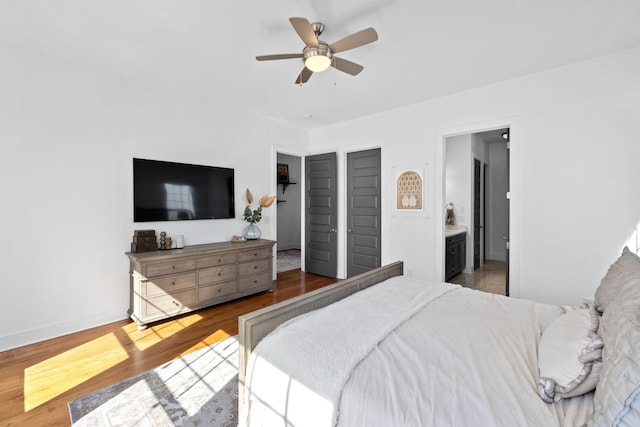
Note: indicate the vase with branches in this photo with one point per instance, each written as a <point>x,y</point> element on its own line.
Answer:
<point>253,216</point>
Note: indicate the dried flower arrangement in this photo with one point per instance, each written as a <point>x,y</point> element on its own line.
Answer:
<point>254,216</point>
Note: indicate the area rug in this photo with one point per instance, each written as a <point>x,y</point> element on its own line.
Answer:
<point>288,260</point>
<point>199,389</point>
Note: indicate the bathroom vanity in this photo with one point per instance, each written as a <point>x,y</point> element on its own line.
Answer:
<point>455,250</point>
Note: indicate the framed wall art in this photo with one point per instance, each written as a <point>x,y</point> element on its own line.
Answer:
<point>283,173</point>
<point>409,189</point>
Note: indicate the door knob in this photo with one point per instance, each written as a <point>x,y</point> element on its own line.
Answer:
<point>505,238</point>
<point>333,230</point>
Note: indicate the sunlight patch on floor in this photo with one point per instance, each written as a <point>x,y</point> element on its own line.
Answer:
<point>154,334</point>
<point>215,337</point>
<point>61,373</point>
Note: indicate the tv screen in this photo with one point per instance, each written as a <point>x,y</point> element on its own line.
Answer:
<point>166,191</point>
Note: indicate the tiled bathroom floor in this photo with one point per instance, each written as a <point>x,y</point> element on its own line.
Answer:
<point>490,277</point>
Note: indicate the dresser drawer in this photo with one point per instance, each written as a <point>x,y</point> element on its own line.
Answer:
<point>215,291</point>
<point>169,304</point>
<point>259,280</point>
<point>169,284</point>
<point>215,260</point>
<point>177,266</point>
<point>255,267</point>
<point>216,274</point>
<point>255,254</point>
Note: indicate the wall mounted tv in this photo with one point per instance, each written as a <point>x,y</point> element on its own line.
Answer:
<point>166,191</point>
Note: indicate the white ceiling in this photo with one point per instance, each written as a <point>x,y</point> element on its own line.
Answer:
<point>426,48</point>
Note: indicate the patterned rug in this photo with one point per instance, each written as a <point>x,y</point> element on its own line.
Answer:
<point>288,260</point>
<point>199,389</point>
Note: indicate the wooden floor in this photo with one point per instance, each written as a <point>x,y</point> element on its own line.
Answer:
<point>37,381</point>
<point>490,277</point>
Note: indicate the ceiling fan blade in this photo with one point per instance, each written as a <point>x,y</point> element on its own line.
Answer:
<point>354,40</point>
<point>278,56</point>
<point>304,76</point>
<point>346,66</point>
<point>304,30</point>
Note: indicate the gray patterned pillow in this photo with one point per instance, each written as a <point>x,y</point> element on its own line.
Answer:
<point>617,397</point>
<point>623,275</point>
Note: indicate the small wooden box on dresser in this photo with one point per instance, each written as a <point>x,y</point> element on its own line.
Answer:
<point>171,282</point>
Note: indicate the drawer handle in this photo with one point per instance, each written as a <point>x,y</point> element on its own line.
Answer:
<point>219,259</point>
<point>173,267</point>
<point>255,281</point>
<point>173,283</point>
<point>219,274</point>
<point>219,290</point>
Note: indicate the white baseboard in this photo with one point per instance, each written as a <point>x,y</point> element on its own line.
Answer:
<point>31,336</point>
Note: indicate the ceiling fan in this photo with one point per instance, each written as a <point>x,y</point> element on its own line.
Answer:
<point>318,55</point>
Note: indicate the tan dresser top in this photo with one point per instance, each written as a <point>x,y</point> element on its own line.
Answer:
<point>198,250</point>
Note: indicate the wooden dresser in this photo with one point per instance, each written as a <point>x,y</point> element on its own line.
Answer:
<point>171,282</point>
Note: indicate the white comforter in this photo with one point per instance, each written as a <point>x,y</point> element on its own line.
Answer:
<point>407,353</point>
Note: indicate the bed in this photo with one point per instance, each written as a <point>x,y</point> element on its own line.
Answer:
<point>383,349</point>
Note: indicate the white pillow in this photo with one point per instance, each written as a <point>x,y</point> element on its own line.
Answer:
<point>569,356</point>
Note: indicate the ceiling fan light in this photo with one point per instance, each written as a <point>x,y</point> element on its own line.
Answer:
<point>317,63</point>
<point>317,58</point>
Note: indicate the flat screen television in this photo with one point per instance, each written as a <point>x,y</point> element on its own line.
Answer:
<point>167,191</point>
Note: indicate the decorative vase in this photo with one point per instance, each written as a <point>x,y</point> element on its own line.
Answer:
<point>251,232</point>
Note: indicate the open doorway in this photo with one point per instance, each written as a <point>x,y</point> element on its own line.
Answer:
<point>289,205</point>
<point>476,193</point>
<point>307,234</point>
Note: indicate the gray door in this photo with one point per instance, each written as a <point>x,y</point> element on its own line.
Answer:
<point>363,211</point>
<point>321,247</point>
<point>476,213</point>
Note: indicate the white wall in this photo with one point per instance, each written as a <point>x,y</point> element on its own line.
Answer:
<point>575,153</point>
<point>459,187</point>
<point>68,135</point>
<point>458,177</point>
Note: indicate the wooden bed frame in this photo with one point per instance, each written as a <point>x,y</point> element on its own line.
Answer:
<point>254,326</point>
